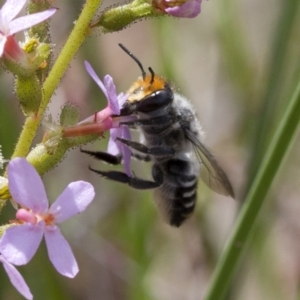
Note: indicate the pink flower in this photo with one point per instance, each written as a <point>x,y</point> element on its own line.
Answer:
<point>180,8</point>
<point>16,278</point>
<point>115,147</point>
<point>9,26</point>
<point>115,103</point>
<point>19,243</point>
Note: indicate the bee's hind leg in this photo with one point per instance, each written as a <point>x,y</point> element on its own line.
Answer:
<point>104,156</point>
<point>134,182</point>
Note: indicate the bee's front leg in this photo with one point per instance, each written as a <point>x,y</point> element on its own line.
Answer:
<point>162,120</point>
<point>160,151</point>
<point>104,156</point>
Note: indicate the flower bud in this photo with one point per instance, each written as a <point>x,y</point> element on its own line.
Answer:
<point>40,29</point>
<point>117,18</point>
<point>28,91</point>
<point>24,59</point>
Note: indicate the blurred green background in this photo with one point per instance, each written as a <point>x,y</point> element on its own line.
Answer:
<point>238,62</point>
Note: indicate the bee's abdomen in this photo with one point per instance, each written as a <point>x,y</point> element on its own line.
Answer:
<point>177,195</point>
<point>183,204</point>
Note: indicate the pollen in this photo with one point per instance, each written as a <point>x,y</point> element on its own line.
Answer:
<point>30,45</point>
<point>43,65</point>
<point>49,218</point>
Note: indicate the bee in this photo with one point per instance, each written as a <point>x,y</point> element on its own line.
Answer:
<point>171,139</point>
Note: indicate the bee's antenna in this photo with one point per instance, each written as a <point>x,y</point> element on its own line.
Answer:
<point>152,75</point>
<point>135,59</point>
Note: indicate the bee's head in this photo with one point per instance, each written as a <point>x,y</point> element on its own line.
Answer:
<point>149,92</point>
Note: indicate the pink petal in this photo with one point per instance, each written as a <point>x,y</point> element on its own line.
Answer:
<point>73,200</point>
<point>11,8</point>
<point>190,9</point>
<point>112,94</point>
<point>19,243</point>
<point>95,77</point>
<point>103,114</point>
<point>60,252</point>
<point>122,98</point>
<point>30,20</point>
<point>113,147</point>
<point>3,40</point>
<point>26,186</point>
<point>16,279</point>
<point>26,216</point>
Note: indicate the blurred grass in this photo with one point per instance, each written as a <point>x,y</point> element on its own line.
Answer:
<point>266,125</point>
<point>242,232</point>
<point>253,49</point>
<point>271,108</point>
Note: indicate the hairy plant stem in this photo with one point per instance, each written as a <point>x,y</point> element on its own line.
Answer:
<point>75,40</point>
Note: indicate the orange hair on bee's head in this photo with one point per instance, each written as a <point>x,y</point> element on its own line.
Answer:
<point>143,87</point>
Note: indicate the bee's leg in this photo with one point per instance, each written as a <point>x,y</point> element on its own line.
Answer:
<point>134,182</point>
<point>106,157</point>
<point>112,159</point>
<point>163,121</point>
<point>142,157</point>
<point>155,151</point>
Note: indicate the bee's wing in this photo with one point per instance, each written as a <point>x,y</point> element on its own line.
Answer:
<point>211,173</point>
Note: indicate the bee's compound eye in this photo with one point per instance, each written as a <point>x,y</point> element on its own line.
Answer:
<point>155,101</point>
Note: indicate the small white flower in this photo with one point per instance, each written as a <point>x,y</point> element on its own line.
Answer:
<point>9,25</point>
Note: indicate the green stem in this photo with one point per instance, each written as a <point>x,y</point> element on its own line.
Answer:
<point>26,137</point>
<point>255,199</point>
<point>75,40</point>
